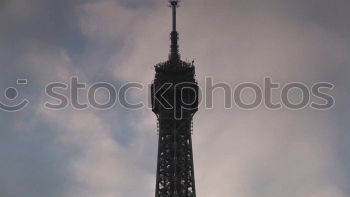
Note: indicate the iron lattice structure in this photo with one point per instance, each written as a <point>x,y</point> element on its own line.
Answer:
<point>175,101</point>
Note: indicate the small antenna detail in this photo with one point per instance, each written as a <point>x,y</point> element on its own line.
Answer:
<point>174,51</point>
<point>173,3</point>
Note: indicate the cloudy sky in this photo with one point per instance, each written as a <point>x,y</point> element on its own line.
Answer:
<point>112,153</point>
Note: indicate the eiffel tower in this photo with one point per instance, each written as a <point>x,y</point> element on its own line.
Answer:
<point>175,101</point>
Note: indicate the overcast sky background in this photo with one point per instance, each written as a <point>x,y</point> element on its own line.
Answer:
<point>112,153</point>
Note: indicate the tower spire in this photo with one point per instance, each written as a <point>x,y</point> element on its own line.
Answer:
<point>174,49</point>
<point>174,111</point>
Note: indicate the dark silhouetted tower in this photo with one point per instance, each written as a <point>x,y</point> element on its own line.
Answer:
<point>175,101</point>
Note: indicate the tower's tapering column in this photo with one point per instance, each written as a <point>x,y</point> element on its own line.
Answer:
<point>174,6</point>
<point>175,101</point>
<point>174,35</point>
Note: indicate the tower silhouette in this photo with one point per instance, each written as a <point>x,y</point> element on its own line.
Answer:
<point>175,101</point>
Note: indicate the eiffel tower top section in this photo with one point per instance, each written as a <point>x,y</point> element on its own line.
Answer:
<point>174,63</point>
